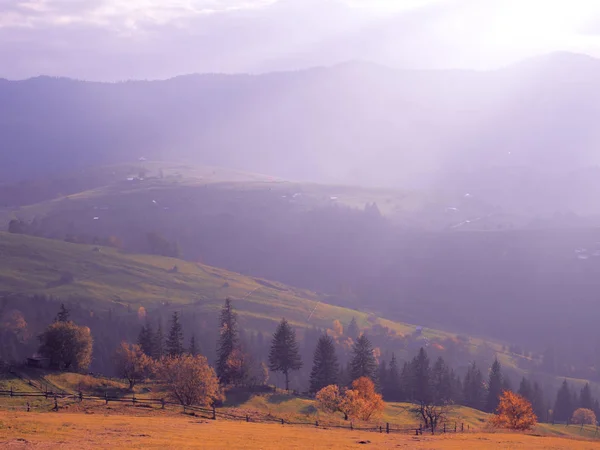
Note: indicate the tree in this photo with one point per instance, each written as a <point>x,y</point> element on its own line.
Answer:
<point>159,342</point>
<point>525,390</point>
<point>441,382</point>
<point>227,343</point>
<point>392,390</point>
<point>132,363</point>
<point>329,399</point>
<point>420,377</point>
<point>68,346</point>
<point>585,398</point>
<point>63,314</point>
<point>190,380</point>
<point>175,338</point>
<point>363,363</point>
<point>193,349</point>
<point>584,416</point>
<point>325,368</point>
<point>353,330</point>
<point>539,403</point>
<point>563,407</point>
<point>514,412</point>
<point>474,388</point>
<point>284,355</point>
<point>146,339</point>
<point>494,387</point>
<point>367,402</point>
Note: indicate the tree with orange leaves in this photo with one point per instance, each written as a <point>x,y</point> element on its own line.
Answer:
<point>514,412</point>
<point>361,402</point>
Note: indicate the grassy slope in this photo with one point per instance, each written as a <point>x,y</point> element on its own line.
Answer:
<point>110,277</point>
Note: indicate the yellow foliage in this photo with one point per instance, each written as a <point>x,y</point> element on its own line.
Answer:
<point>514,412</point>
<point>360,402</point>
<point>584,416</point>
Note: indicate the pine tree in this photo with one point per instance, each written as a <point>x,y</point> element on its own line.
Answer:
<point>392,386</point>
<point>175,338</point>
<point>420,373</point>
<point>159,342</point>
<point>382,375</point>
<point>525,390</point>
<point>473,388</point>
<point>585,398</point>
<point>284,355</point>
<point>406,382</point>
<point>539,403</point>
<point>363,363</point>
<point>563,407</point>
<point>441,382</point>
<point>63,315</point>
<point>325,368</point>
<point>352,330</point>
<point>146,339</point>
<point>227,344</point>
<point>494,387</point>
<point>193,350</point>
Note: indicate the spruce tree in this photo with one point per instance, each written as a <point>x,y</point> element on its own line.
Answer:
<point>563,407</point>
<point>159,342</point>
<point>525,390</point>
<point>392,386</point>
<point>420,372</point>
<point>473,388</point>
<point>284,355</point>
<point>146,339</point>
<point>363,363</point>
<point>494,387</point>
<point>441,382</point>
<point>64,314</point>
<point>175,338</point>
<point>193,350</point>
<point>325,370</point>
<point>227,343</point>
<point>539,403</point>
<point>585,398</point>
<point>352,331</point>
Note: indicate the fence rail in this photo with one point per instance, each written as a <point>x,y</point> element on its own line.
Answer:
<point>214,413</point>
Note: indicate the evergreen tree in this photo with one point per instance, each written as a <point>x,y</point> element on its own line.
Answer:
<point>146,339</point>
<point>539,403</point>
<point>506,383</point>
<point>382,376</point>
<point>193,350</point>
<point>406,382</point>
<point>392,386</point>
<point>352,330</point>
<point>474,388</point>
<point>563,407</point>
<point>284,355</point>
<point>227,344</point>
<point>494,387</point>
<point>585,398</point>
<point>457,390</point>
<point>363,363</point>
<point>525,390</point>
<point>159,342</point>
<point>175,338</point>
<point>420,376</point>
<point>441,382</point>
<point>325,368</point>
<point>64,314</point>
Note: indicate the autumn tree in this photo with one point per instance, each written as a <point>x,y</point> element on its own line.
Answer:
<point>227,344</point>
<point>132,363</point>
<point>325,368</point>
<point>189,380</point>
<point>175,337</point>
<point>584,416</point>
<point>329,399</point>
<point>68,346</point>
<point>363,363</point>
<point>514,412</point>
<point>368,402</point>
<point>284,355</point>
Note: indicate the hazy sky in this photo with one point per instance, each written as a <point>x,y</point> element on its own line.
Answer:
<point>124,39</point>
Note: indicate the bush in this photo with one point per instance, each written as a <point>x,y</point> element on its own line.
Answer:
<point>514,412</point>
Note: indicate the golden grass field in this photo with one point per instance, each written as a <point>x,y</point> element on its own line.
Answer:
<point>82,431</point>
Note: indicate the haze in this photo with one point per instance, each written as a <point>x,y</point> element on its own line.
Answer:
<point>146,39</point>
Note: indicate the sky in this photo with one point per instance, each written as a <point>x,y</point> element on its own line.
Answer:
<point>115,40</point>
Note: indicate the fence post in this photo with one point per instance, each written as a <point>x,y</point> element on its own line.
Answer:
<point>133,399</point>
<point>387,428</point>
<point>214,417</point>
<point>317,423</point>
<point>247,418</point>
<point>421,429</point>
<point>11,391</point>
<point>55,403</point>
<point>462,427</point>
<point>80,396</point>
<point>282,422</point>
<point>455,427</point>
<point>444,428</point>
<point>380,429</point>
<point>28,407</point>
<point>106,397</point>
<point>416,431</point>
<point>351,426</point>
<point>162,403</point>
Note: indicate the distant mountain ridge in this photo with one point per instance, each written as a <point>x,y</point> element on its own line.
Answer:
<point>354,123</point>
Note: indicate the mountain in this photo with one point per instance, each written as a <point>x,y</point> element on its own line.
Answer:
<point>354,123</point>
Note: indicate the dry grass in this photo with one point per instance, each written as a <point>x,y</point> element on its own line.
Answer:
<point>83,431</point>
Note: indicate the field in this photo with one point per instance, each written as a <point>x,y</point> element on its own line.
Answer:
<point>83,431</point>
